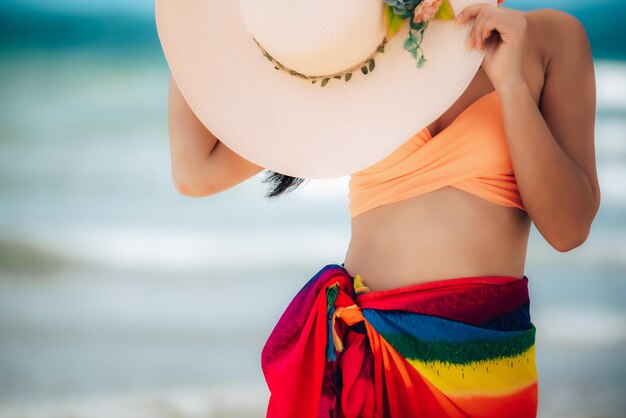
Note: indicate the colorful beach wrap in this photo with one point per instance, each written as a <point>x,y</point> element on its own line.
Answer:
<point>461,347</point>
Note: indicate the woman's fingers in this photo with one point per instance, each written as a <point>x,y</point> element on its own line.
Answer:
<point>479,28</point>
<point>478,13</point>
<point>469,12</point>
<point>488,26</point>
<point>487,18</point>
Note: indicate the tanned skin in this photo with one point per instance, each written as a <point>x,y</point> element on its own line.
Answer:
<point>539,62</point>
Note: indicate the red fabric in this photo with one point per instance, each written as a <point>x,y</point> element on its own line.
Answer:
<point>370,378</point>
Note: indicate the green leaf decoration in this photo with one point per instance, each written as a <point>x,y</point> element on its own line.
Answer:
<point>371,64</point>
<point>445,11</point>
<point>393,22</point>
<point>408,44</point>
<point>325,81</point>
<point>364,69</point>
<point>417,25</point>
<point>348,76</point>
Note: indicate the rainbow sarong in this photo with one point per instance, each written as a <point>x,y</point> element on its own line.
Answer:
<point>461,347</point>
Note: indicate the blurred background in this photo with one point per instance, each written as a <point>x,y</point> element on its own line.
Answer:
<point>120,297</point>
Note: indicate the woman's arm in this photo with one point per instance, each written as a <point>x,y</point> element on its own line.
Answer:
<point>552,149</point>
<point>201,164</point>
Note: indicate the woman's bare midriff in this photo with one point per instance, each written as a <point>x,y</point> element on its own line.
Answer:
<point>443,234</point>
<point>447,233</point>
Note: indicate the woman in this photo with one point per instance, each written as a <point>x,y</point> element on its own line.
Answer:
<point>539,67</point>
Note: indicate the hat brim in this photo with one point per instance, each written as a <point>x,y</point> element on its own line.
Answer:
<point>291,126</point>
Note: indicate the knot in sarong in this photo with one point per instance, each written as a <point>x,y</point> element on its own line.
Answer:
<point>341,304</point>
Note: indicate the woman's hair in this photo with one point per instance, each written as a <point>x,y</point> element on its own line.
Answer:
<point>280,183</point>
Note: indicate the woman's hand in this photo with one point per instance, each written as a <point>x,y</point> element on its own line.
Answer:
<point>502,32</point>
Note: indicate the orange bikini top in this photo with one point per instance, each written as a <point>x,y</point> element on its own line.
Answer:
<point>470,154</point>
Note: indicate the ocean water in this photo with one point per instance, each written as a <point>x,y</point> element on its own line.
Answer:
<point>120,297</point>
<point>112,284</point>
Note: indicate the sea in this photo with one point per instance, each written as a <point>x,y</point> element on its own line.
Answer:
<point>120,297</point>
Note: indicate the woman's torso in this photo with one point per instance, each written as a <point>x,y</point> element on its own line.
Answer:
<point>448,232</point>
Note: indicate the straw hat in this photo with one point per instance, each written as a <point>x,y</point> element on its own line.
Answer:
<point>317,88</point>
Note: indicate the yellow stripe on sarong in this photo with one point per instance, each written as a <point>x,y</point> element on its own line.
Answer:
<point>500,376</point>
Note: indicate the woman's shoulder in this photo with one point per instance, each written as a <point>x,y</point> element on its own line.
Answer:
<point>552,30</point>
<point>553,20</point>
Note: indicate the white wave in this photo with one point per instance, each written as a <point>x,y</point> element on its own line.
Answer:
<point>610,85</point>
<point>612,179</point>
<point>187,251</point>
<point>581,327</point>
<point>610,139</point>
<point>243,400</point>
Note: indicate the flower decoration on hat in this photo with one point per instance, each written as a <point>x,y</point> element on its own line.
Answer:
<point>419,13</point>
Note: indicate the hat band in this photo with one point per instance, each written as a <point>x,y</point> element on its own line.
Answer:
<point>366,66</point>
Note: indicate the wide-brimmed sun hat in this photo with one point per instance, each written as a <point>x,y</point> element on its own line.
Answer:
<point>317,88</point>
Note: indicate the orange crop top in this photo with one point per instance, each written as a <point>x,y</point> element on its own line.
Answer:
<point>471,154</point>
